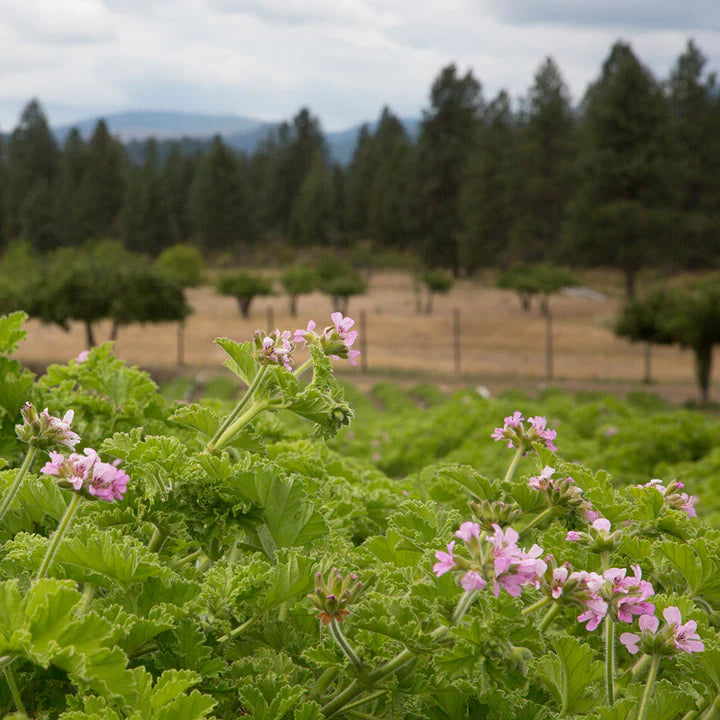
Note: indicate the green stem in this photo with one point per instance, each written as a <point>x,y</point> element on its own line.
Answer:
<point>155,539</point>
<point>323,682</point>
<point>541,603</point>
<point>549,617</point>
<point>513,465</point>
<point>538,519</point>
<point>652,674</point>
<point>639,666</point>
<point>62,528</point>
<point>87,598</point>
<point>609,660</point>
<point>239,424</point>
<point>10,679</point>
<point>604,560</point>
<point>188,558</point>
<point>15,487</point>
<point>238,408</point>
<point>345,646</point>
<point>240,628</point>
<point>302,368</point>
<point>712,712</point>
<point>368,698</point>
<point>356,687</point>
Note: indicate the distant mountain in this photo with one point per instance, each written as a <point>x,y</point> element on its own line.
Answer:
<point>195,131</point>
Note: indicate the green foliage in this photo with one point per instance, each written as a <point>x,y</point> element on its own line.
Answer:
<point>340,281</point>
<point>244,287</point>
<point>184,263</point>
<point>298,280</point>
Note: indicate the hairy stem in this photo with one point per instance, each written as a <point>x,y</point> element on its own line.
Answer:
<point>513,465</point>
<point>239,423</point>
<point>345,646</point>
<point>652,674</point>
<point>62,528</point>
<point>302,368</point>
<point>240,629</point>
<point>246,398</point>
<point>549,617</point>
<point>547,512</point>
<point>10,679</point>
<point>541,603</point>
<point>15,487</point>
<point>187,559</point>
<point>87,598</point>
<point>323,682</point>
<point>609,660</point>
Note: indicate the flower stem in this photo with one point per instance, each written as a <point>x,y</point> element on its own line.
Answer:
<point>87,598</point>
<point>62,528</point>
<point>239,423</point>
<point>609,660</point>
<point>342,699</point>
<point>10,679</point>
<point>194,555</point>
<point>538,519</point>
<point>240,628</point>
<point>513,465</point>
<point>345,646</point>
<point>15,487</point>
<point>652,674</point>
<point>323,682</point>
<point>549,617</point>
<point>246,398</point>
<point>302,368</point>
<point>541,603</point>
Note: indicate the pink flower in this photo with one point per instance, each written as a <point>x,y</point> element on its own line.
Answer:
<point>274,347</point>
<point>592,515</point>
<point>87,473</point>
<point>512,566</point>
<point>517,435</point>
<point>63,433</point>
<point>589,584</point>
<point>595,611</point>
<point>648,624</point>
<point>559,576</point>
<point>573,536</point>
<point>446,560</point>
<point>544,480</point>
<point>42,430</point>
<point>602,524</point>
<point>342,328</point>
<point>82,357</point>
<point>684,636</point>
<point>301,336</point>
<point>538,425</point>
<point>473,580</point>
<point>630,593</point>
<point>467,531</point>
<point>675,499</point>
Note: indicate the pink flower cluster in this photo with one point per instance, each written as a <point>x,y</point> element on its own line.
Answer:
<point>88,474</point>
<point>274,347</point>
<point>44,430</point>
<point>517,435</point>
<point>674,637</point>
<point>336,340</point>
<point>495,557</point>
<point>677,500</point>
<point>559,491</point>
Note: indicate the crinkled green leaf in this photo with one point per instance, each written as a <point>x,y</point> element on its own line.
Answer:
<point>241,359</point>
<point>11,332</point>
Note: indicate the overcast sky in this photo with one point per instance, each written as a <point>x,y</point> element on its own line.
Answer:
<point>344,59</point>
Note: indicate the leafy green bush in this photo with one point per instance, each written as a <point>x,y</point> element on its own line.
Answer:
<point>244,287</point>
<point>184,263</point>
<point>298,280</point>
<point>341,282</point>
<point>436,281</point>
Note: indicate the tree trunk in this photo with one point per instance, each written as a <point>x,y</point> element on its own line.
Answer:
<point>647,375</point>
<point>114,330</point>
<point>544,305</point>
<point>89,335</point>
<point>293,305</point>
<point>181,343</point>
<point>630,277</point>
<point>244,303</point>
<point>703,368</point>
<point>548,344</point>
<point>525,301</point>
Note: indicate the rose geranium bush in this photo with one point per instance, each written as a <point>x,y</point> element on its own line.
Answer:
<point>260,559</point>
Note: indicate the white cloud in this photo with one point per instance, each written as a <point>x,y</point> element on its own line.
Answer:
<point>344,59</point>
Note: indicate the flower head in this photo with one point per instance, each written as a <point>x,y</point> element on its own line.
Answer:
<point>274,348</point>
<point>333,597</point>
<point>88,475</point>
<point>43,431</point>
<point>673,497</point>
<point>674,636</point>
<point>336,340</point>
<point>446,561</point>
<point>517,435</point>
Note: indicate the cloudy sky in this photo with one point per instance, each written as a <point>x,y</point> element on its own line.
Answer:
<point>342,58</point>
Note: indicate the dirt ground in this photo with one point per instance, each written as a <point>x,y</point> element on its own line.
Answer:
<point>500,345</point>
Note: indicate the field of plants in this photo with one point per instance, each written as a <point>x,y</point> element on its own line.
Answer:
<point>306,551</point>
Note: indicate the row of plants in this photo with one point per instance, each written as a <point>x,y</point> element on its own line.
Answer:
<point>227,560</point>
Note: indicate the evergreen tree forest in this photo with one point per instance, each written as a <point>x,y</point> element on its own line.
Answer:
<point>625,178</point>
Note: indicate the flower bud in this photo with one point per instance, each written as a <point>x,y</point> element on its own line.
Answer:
<point>333,597</point>
<point>273,348</point>
<point>492,513</point>
<point>44,431</point>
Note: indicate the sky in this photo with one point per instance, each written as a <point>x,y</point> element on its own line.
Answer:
<point>344,59</point>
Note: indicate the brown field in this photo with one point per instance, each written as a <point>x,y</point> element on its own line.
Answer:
<point>500,345</point>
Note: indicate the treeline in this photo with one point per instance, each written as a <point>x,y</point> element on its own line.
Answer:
<point>628,178</point>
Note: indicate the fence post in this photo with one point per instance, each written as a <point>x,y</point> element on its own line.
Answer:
<point>363,342</point>
<point>548,344</point>
<point>456,340</point>
<point>181,343</point>
<point>270,319</point>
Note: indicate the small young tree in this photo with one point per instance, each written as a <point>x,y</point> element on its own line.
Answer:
<point>298,280</point>
<point>184,264</point>
<point>520,279</point>
<point>244,287</point>
<point>435,281</point>
<point>340,281</point>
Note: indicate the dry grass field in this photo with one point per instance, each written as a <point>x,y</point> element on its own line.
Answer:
<point>501,346</point>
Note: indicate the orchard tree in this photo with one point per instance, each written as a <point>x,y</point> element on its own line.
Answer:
<point>436,282</point>
<point>183,263</point>
<point>617,216</point>
<point>448,130</point>
<point>340,281</point>
<point>244,287</point>
<point>298,280</point>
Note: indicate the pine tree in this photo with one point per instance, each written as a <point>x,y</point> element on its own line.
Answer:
<point>66,205</point>
<point>447,133</point>
<point>32,161</point>
<point>618,215</point>
<point>219,200</point>
<point>178,173</point>
<point>313,213</point>
<point>103,185</point>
